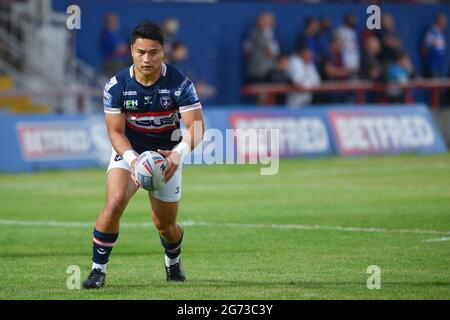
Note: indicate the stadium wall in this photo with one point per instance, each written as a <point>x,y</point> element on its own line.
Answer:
<point>39,142</point>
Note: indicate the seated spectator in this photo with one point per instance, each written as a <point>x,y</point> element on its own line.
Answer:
<point>261,49</point>
<point>371,66</point>
<point>280,75</point>
<point>434,48</point>
<point>114,48</point>
<point>391,44</point>
<point>179,59</point>
<point>304,74</point>
<point>399,71</point>
<point>309,39</point>
<point>350,45</point>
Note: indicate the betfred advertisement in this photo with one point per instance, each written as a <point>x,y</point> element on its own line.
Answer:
<point>300,133</point>
<point>63,140</point>
<point>384,130</point>
<point>40,142</point>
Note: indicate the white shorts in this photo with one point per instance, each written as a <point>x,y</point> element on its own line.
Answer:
<point>170,192</point>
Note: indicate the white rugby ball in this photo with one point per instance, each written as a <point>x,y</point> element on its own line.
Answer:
<point>149,170</point>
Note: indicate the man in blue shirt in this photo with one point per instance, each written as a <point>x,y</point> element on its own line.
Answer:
<point>435,48</point>
<point>143,106</point>
<point>114,49</point>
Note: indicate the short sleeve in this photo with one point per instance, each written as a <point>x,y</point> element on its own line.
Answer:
<point>187,97</point>
<point>111,97</point>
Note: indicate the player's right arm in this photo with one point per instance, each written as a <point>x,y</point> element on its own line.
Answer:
<point>115,123</point>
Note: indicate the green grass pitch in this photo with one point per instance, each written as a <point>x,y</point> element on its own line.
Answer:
<point>309,232</point>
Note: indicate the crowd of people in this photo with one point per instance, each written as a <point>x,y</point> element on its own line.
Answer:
<point>116,55</point>
<point>339,53</point>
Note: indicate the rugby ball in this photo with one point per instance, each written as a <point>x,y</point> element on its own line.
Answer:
<point>149,170</point>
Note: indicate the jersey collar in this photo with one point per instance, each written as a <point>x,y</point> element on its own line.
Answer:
<point>163,70</point>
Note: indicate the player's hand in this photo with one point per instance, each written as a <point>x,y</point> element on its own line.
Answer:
<point>133,163</point>
<point>173,161</point>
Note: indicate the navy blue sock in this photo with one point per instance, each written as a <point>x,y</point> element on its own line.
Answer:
<point>102,246</point>
<point>172,250</point>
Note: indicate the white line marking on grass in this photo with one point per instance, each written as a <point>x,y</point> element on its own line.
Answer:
<point>393,168</point>
<point>232,225</point>
<point>437,239</point>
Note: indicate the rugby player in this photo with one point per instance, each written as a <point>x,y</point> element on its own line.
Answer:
<point>143,106</point>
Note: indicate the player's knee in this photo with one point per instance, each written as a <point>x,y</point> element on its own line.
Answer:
<point>116,204</point>
<point>165,229</point>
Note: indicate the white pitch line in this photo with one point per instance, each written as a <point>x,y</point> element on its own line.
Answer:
<point>233,225</point>
<point>437,239</point>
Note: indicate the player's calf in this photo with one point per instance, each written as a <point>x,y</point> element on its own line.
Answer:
<point>102,246</point>
<point>173,267</point>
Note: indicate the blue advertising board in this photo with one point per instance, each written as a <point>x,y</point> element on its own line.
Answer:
<point>38,142</point>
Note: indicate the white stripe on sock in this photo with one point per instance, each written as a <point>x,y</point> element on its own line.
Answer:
<point>170,261</point>
<point>99,266</point>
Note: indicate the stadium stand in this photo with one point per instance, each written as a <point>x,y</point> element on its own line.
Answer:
<point>71,61</point>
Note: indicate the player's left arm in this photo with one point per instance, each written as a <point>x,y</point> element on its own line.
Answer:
<point>195,127</point>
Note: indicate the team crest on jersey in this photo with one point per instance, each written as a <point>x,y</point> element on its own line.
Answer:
<point>166,102</point>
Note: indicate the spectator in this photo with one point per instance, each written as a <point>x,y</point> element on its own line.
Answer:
<point>391,45</point>
<point>179,55</point>
<point>309,36</point>
<point>304,74</point>
<point>114,48</point>
<point>179,59</point>
<point>261,49</point>
<point>170,27</point>
<point>333,69</point>
<point>399,71</point>
<point>280,75</point>
<point>371,66</point>
<point>349,38</point>
<point>324,38</point>
<point>434,48</point>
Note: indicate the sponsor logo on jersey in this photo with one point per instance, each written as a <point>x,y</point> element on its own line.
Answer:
<point>164,91</point>
<point>107,99</point>
<point>111,84</point>
<point>117,158</point>
<point>181,87</point>
<point>130,104</point>
<point>130,93</point>
<point>166,102</point>
<point>153,121</point>
<point>147,100</point>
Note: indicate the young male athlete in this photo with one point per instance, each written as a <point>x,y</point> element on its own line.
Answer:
<point>143,105</point>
